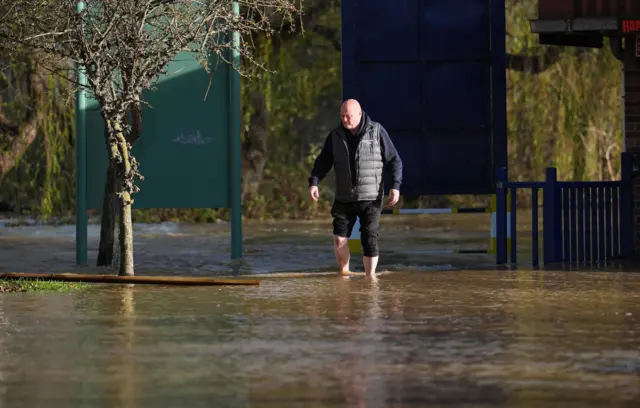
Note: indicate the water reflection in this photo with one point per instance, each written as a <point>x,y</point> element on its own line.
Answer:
<point>482,338</point>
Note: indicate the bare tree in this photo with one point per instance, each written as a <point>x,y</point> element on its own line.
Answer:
<point>124,47</point>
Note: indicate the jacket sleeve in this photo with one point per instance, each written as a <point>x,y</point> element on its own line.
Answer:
<point>323,163</point>
<point>391,159</point>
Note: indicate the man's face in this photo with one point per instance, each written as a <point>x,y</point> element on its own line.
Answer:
<point>350,116</point>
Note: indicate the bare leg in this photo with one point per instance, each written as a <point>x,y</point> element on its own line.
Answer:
<point>370,264</point>
<point>343,256</point>
<point>370,218</point>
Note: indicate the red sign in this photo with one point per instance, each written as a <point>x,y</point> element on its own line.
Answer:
<point>630,26</point>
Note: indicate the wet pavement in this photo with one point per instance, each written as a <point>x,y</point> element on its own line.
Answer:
<point>437,330</point>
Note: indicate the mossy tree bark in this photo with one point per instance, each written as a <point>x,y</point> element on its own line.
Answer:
<point>110,202</point>
<point>125,170</point>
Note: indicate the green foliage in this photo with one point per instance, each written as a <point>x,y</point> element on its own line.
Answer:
<point>41,184</point>
<point>302,97</point>
<point>568,116</point>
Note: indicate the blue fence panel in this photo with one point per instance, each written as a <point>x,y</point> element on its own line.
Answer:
<point>583,222</point>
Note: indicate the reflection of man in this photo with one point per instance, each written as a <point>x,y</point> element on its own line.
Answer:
<point>359,150</point>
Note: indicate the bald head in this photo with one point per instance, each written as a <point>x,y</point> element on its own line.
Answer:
<point>350,114</point>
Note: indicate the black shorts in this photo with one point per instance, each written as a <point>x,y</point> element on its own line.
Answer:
<point>344,218</point>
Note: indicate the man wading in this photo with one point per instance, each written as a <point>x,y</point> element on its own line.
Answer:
<point>359,150</point>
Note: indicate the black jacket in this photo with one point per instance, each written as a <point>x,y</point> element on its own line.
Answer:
<point>390,157</point>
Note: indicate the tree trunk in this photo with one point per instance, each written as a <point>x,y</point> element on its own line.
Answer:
<point>110,204</point>
<point>126,240</point>
<point>125,172</point>
<point>108,220</point>
<point>124,182</point>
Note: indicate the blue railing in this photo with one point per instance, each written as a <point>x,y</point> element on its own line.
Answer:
<point>583,221</point>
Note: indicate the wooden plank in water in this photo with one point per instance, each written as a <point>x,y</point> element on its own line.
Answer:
<point>154,280</point>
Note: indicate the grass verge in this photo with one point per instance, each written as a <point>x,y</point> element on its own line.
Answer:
<point>28,285</point>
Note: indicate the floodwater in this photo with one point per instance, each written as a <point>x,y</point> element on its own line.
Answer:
<point>407,242</point>
<point>434,330</point>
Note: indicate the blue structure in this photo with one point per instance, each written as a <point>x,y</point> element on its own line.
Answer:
<point>584,222</point>
<point>433,73</point>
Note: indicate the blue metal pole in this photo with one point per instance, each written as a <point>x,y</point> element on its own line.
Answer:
<point>550,217</point>
<point>566,229</point>
<point>534,228</point>
<point>513,226</point>
<point>588,238</point>
<point>81,162</point>
<point>573,221</point>
<point>501,216</point>
<point>626,203</point>
<point>235,144</point>
<point>615,220</point>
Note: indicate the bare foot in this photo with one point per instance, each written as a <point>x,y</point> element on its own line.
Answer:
<point>344,273</point>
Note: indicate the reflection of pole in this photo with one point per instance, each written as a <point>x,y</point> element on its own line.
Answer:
<point>81,163</point>
<point>235,173</point>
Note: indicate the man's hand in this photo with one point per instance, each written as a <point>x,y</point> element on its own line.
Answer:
<point>394,197</point>
<point>314,193</point>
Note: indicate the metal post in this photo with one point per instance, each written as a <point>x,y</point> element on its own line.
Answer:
<point>626,205</point>
<point>534,227</point>
<point>550,218</point>
<point>81,162</point>
<point>235,144</point>
<point>501,216</point>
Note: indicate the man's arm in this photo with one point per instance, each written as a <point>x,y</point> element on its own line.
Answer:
<point>323,163</point>
<point>391,159</point>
